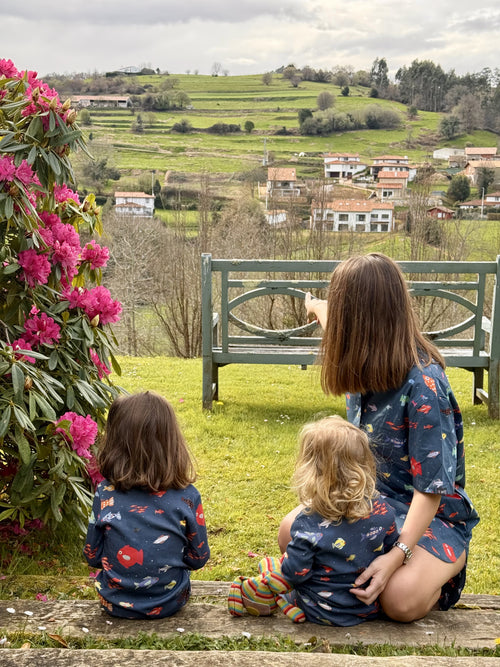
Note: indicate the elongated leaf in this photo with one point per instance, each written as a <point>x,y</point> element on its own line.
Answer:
<point>53,360</point>
<point>23,419</point>
<point>35,129</point>
<point>70,397</point>
<point>5,421</point>
<point>31,156</point>
<point>6,514</point>
<point>54,163</point>
<point>32,403</point>
<point>23,481</point>
<point>114,362</point>
<point>17,382</point>
<point>22,445</point>
<point>54,505</point>
<point>47,409</point>
<point>9,208</point>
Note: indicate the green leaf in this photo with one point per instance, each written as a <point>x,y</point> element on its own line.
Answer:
<point>35,129</point>
<point>70,397</point>
<point>5,421</point>
<point>9,208</point>
<point>52,121</point>
<point>6,514</point>
<point>4,367</point>
<point>23,419</point>
<point>6,140</point>
<point>22,445</point>
<point>53,360</point>
<point>54,505</point>
<point>32,403</point>
<point>54,163</point>
<point>23,481</point>
<point>32,155</point>
<point>47,409</point>
<point>10,268</point>
<point>17,382</point>
<point>114,363</point>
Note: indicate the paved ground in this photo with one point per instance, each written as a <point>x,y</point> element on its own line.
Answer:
<point>474,625</point>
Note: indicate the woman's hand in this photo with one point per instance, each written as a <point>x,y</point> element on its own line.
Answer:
<point>378,574</point>
<point>316,309</point>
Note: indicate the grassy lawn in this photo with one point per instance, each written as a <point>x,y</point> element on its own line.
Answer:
<point>245,451</point>
<point>235,99</point>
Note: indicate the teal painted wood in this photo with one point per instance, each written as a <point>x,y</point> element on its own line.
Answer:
<point>298,346</point>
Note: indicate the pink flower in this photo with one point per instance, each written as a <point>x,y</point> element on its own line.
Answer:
<point>96,301</point>
<point>83,432</point>
<point>67,256</point>
<point>96,255</point>
<point>49,219</point>
<point>62,193</point>
<point>21,344</point>
<point>102,369</point>
<point>93,471</point>
<point>8,69</point>
<point>42,330</point>
<point>25,174</point>
<point>7,168</point>
<point>35,268</point>
<point>41,597</point>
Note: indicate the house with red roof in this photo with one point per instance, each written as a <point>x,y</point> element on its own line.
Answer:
<point>343,166</point>
<point>353,215</point>
<point>135,203</point>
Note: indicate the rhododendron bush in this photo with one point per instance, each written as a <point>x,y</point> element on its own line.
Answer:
<point>55,342</point>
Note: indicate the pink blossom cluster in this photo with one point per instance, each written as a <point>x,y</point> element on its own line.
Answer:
<point>94,302</point>
<point>82,431</point>
<point>93,472</point>
<point>41,330</point>
<point>63,242</point>
<point>62,194</point>
<point>23,172</point>
<point>95,255</point>
<point>36,267</point>
<point>22,344</point>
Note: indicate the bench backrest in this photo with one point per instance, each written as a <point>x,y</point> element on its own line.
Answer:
<point>464,284</point>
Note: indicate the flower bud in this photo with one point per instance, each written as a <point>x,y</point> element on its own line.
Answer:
<point>86,206</point>
<point>94,321</point>
<point>71,117</point>
<point>28,383</point>
<point>35,94</point>
<point>13,190</point>
<point>54,103</point>
<point>66,105</point>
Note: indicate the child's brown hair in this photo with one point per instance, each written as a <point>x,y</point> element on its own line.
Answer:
<point>372,338</point>
<point>335,472</point>
<point>144,446</point>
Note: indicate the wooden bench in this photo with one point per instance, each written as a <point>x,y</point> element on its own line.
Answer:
<point>468,295</point>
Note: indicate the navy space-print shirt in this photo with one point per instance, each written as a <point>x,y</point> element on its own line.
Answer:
<point>146,544</point>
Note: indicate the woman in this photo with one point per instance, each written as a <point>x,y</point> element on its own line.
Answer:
<point>397,391</point>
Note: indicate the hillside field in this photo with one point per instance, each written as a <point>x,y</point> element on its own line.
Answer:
<point>236,99</point>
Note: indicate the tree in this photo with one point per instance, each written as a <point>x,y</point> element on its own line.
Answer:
<point>216,69</point>
<point>459,188</point>
<point>449,127</point>
<point>267,78</point>
<point>303,114</point>
<point>345,91</point>
<point>379,74</point>
<point>55,348</point>
<point>485,177</point>
<point>249,126</point>
<point>325,100</point>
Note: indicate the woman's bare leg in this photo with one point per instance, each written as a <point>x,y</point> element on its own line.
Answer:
<point>415,588</point>
<point>284,530</point>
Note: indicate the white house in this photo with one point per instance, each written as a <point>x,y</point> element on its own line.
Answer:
<point>282,182</point>
<point>276,218</point>
<point>343,165</point>
<point>447,153</point>
<point>135,203</point>
<point>113,101</point>
<point>353,215</point>
<point>393,163</point>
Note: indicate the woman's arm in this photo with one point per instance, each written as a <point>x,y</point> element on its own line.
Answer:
<point>422,510</point>
<point>316,309</point>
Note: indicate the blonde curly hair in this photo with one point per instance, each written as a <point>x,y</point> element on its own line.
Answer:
<point>335,473</point>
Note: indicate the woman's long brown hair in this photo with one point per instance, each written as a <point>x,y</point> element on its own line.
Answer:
<point>143,445</point>
<point>372,338</point>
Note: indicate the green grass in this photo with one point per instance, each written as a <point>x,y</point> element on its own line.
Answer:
<point>235,99</point>
<point>245,451</point>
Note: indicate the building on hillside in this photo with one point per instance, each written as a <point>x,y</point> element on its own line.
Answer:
<point>277,218</point>
<point>393,163</point>
<point>489,201</point>
<point>343,166</point>
<point>102,101</point>
<point>135,203</point>
<point>492,199</point>
<point>472,169</point>
<point>440,212</point>
<point>353,215</point>
<point>391,191</point>
<point>282,182</point>
<point>447,153</point>
<point>480,153</point>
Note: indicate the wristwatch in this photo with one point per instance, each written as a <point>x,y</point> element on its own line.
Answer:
<point>406,550</point>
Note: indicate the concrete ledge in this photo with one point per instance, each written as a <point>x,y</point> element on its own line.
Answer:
<point>129,658</point>
<point>472,627</point>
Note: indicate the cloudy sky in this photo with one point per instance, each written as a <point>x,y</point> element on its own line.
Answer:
<point>248,36</point>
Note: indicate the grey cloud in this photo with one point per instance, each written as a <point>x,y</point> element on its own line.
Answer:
<point>483,21</point>
<point>154,12</point>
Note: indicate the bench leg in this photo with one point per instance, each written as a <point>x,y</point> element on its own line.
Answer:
<point>478,383</point>
<point>494,389</point>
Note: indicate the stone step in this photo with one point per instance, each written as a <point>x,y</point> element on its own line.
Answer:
<point>130,658</point>
<point>475,625</point>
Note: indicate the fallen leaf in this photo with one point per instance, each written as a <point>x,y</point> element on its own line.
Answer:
<point>26,645</point>
<point>58,639</point>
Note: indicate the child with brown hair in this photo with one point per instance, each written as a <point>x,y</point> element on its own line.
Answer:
<point>147,527</point>
<point>341,525</point>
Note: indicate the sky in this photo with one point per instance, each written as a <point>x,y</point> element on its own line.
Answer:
<point>248,36</point>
